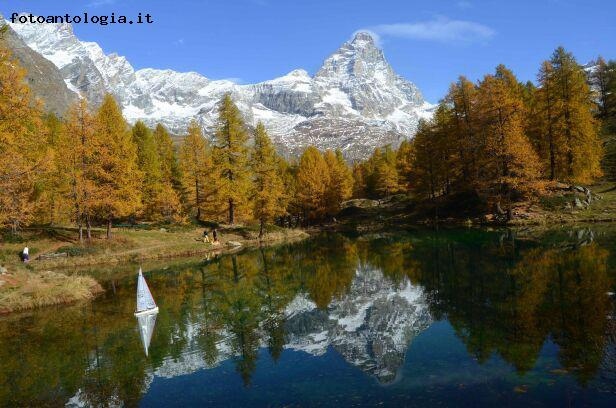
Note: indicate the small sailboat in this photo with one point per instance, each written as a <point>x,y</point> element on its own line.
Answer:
<point>146,312</point>
<point>145,301</point>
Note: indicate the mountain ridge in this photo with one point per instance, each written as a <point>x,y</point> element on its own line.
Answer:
<point>355,102</point>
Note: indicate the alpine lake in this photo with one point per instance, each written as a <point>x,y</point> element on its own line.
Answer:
<point>450,317</point>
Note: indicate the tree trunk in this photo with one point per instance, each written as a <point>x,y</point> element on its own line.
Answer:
<point>261,229</point>
<point>109,228</point>
<point>231,211</point>
<point>88,227</point>
<point>80,232</point>
<point>198,199</point>
<point>552,159</point>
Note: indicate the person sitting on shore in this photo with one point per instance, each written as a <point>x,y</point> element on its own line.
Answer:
<point>25,255</point>
<point>206,237</point>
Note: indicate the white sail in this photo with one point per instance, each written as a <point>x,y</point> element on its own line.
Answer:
<point>145,301</point>
<point>146,324</point>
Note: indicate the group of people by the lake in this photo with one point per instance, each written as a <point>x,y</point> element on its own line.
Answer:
<point>206,237</point>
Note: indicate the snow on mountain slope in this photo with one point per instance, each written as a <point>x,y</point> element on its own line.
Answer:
<point>355,101</point>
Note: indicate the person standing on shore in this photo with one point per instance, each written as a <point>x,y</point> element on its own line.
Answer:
<point>215,235</point>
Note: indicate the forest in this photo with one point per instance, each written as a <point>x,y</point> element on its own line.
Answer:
<point>489,143</point>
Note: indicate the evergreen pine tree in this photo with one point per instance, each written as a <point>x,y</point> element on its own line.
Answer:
<point>603,79</point>
<point>387,182</point>
<point>425,176</point>
<point>50,201</point>
<point>169,166</point>
<point>169,202</point>
<point>404,164</point>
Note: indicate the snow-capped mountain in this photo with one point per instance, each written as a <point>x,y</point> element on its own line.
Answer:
<point>355,101</point>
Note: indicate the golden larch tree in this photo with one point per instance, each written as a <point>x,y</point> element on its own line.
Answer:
<point>574,119</point>
<point>340,186</point>
<point>231,159</point>
<point>76,157</point>
<point>196,170</point>
<point>268,198</point>
<point>312,183</point>
<point>511,164</point>
<point>118,178</point>
<point>24,155</point>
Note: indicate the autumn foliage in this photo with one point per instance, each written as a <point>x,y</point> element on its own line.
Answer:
<point>496,139</point>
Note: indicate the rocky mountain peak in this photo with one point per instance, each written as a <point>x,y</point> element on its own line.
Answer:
<point>355,102</point>
<point>358,58</point>
<point>363,39</point>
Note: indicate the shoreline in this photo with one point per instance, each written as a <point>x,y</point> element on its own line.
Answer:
<point>44,283</point>
<point>31,285</point>
<point>549,210</point>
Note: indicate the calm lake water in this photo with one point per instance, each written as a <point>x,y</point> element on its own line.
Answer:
<point>449,318</point>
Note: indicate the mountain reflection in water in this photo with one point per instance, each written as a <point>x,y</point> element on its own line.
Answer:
<point>364,301</point>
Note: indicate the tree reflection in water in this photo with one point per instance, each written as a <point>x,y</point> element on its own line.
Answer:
<point>502,295</point>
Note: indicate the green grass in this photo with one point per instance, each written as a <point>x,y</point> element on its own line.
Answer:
<point>555,203</point>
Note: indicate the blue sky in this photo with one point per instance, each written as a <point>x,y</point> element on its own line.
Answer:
<point>429,42</point>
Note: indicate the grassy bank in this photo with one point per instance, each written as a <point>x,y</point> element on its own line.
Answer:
<point>55,253</point>
<point>22,290</point>
<point>554,208</point>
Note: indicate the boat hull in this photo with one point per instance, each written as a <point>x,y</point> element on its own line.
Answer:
<point>147,312</point>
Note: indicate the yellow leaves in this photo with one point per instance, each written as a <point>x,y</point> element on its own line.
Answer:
<point>196,168</point>
<point>511,162</point>
<point>340,181</point>
<point>269,197</point>
<point>231,158</point>
<point>312,180</point>
<point>117,177</point>
<point>24,155</point>
<point>324,181</point>
<point>563,125</point>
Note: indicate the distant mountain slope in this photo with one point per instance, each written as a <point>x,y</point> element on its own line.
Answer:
<point>355,102</point>
<point>44,78</point>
